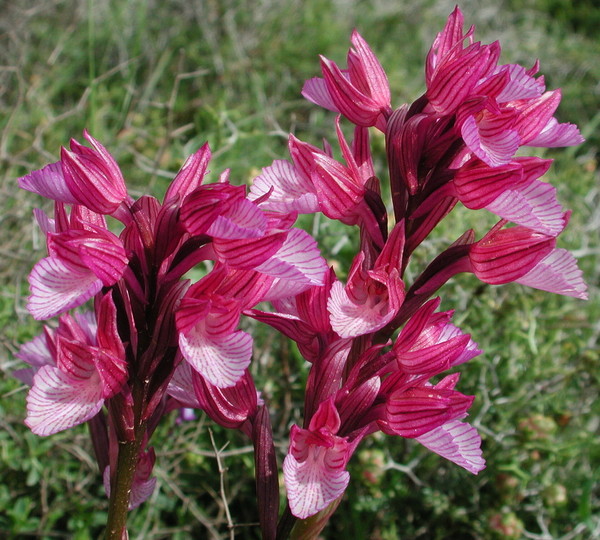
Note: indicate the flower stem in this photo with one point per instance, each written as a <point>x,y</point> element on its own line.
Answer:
<point>118,505</point>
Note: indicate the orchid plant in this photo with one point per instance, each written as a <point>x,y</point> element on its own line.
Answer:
<point>380,350</point>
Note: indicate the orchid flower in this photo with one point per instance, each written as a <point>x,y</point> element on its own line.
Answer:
<point>361,93</point>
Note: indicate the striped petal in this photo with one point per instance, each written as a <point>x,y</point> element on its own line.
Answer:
<point>56,402</point>
<point>288,191</point>
<point>457,442</point>
<point>534,206</point>
<point>557,273</point>
<point>311,486</point>
<point>57,287</point>
<point>221,362</point>
<point>48,182</point>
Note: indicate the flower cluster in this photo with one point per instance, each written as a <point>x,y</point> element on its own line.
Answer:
<point>380,349</point>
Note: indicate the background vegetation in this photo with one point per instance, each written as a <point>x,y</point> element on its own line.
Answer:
<point>155,79</point>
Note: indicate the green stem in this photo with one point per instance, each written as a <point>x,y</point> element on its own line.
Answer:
<point>118,505</point>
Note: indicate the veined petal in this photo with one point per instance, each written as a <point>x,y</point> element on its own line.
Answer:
<point>490,141</point>
<point>555,135</point>
<point>288,190</point>
<point>106,259</point>
<point>298,259</point>
<point>315,90</point>
<point>56,403</point>
<point>534,206</point>
<point>505,255</point>
<point>557,273</point>
<point>311,486</point>
<point>241,219</point>
<point>93,176</point>
<point>359,108</point>
<point>181,386</point>
<point>350,319</point>
<point>222,363</point>
<point>48,182</point>
<point>521,84</point>
<point>36,352</point>
<point>57,287</point>
<point>457,442</point>
<point>366,72</point>
<point>416,411</point>
<point>190,176</point>
<point>248,253</point>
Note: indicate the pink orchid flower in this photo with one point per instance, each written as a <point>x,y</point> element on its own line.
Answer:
<point>87,371</point>
<point>361,93</point>
<point>314,469</point>
<point>527,257</point>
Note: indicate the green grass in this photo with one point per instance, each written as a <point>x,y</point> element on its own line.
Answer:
<point>153,81</point>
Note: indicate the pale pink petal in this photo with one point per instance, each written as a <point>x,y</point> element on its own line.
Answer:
<point>140,492</point>
<point>243,219</point>
<point>45,224</point>
<point>558,273</point>
<point>533,206</point>
<point>521,84</point>
<point>458,442</point>
<point>310,485</point>
<point>181,386</point>
<point>494,147</point>
<point>349,319</point>
<point>298,259</point>
<point>48,182</point>
<point>555,135</point>
<point>56,402</point>
<point>36,352</point>
<point>315,90</point>
<point>470,351</point>
<point>57,287</point>
<point>288,190</point>
<point>222,362</point>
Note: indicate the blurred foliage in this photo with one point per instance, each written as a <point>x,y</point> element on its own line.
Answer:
<point>153,80</point>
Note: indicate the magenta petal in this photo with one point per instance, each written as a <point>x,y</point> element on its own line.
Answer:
<point>557,273</point>
<point>366,71</point>
<point>310,486</point>
<point>359,108</point>
<point>248,253</point>
<point>48,182</point>
<point>93,178</point>
<point>56,403</point>
<point>242,219</point>
<point>57,287</point>
<point>221,362</point>
<point>106,259</point>
<point>534,206</point>
<point>190,176</point>
<point>458,442</point>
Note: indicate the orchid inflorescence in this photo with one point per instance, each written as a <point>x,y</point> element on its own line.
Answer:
<point>155,342</point>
